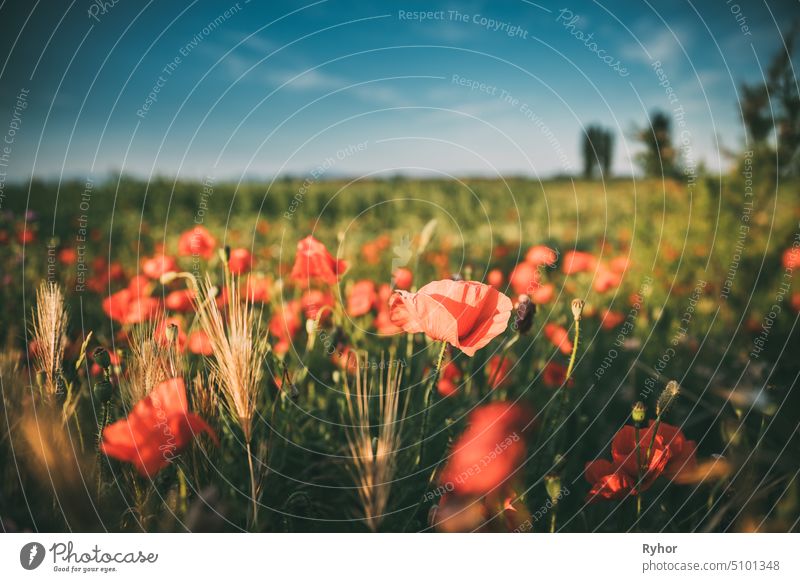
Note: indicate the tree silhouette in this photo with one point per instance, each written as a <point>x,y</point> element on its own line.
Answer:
<point>659,157</point>
<point>598,151</point>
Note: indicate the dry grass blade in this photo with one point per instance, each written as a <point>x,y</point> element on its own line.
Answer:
<point>374,463</point>
<point>49,331</point>
<point>239,348</point>
<point>148,363</point>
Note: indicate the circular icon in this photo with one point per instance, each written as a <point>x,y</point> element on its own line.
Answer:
<point>31,555</point>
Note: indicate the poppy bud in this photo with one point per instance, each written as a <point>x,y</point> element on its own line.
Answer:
<point>577,308</point>
<point>667,397</point>
<point>638,413</point>
<point>225,254</point>
<point>290,389</point>
<point>102,391</point>
<point>101,357</point>
<point>171,333</point>
<point>525,311</point>
<point>731,431</point>
<point>41,379</point>
<point>552,484</point>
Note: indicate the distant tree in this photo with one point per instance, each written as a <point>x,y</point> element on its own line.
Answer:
<point>659,157</point>
<point>754,101</point>
<point>598,151</point>
<point>785,97</point>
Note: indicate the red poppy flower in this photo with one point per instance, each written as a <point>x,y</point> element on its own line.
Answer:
<point>495,278</point>
<point>197,242</point>
<point>540,255</point>
<point>495,432</point>
<point>611,319</point>
<point>559,337</point>
<point>361,298</point>
<point>158,428</point>
<point>314,262</point>
<point>791,258</point>
<point>240,261</point>
<point>313,300</point>
<point>127,308</point>
<point>373,251</point>
<point>256,289</point>
<point>578,262</point>
<point>544,294</point>
<point>67,256</point>
<point>448,380</point>
<point>619,264</point>
<point>403,278</point>
<point>605,280</point>
<point>497,372</point>
<point>284,325</point>
<point>554,375</point>
<point>199,343</point>
<point>156,266</point>
<point>384,325</point>
<point>26,235</point>
<point>466,314</point>
<point>524,279</point>
<point>671,455</point>
<point>181,300</point>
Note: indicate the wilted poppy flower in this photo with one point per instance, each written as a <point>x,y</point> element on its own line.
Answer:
<point>156,266</point>
<point>240,261</point>
<point>524,279</point>
<point>197,242</point>
<point>578,262</point>
<point>181,300</point>
<point>361,298</point>
<point>495,432</point>
<point>127,307</point>
<point>497,371</point>
<point>199,343</point>
<point>671,455</point>
<point>314,262</point>
<point>403,278</point>
<point>541,255</point>
<point>559,337</point>
<point>466,314</point>
<point>158,428</point>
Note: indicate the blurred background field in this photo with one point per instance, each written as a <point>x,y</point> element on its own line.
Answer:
<point>707,285</point>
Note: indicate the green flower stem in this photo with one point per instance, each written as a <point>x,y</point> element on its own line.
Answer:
<point>427,402</point>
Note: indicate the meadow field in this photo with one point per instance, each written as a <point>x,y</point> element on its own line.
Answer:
<point>293,356</point>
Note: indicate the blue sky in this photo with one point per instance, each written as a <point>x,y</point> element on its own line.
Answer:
<point>366,88</point>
